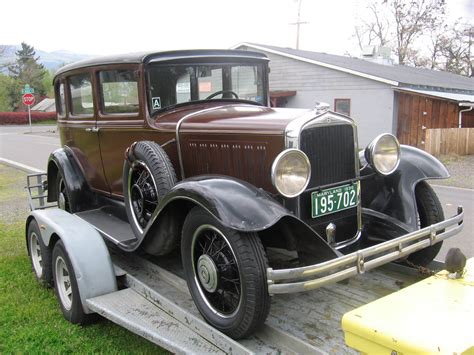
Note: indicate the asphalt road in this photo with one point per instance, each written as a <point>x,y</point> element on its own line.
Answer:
<point>19,145</point>
<point>32,149</point>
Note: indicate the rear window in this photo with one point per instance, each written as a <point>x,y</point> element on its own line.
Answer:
<point>119,90</point>
<point>81,94</point>
<point>60,99</point>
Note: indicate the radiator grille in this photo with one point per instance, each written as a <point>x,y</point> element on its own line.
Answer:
<point>330,150</point>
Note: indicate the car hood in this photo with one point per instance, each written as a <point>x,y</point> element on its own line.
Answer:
<point>234,118</point>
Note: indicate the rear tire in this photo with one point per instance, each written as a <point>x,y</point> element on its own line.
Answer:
<point>66,289</point>
<point>64,197</point>
<point>226,274</point>
<point>430,211</point>
<point>147,178</point>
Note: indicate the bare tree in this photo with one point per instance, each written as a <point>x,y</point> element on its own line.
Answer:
<point>399,23</point>
<point>374,29</point>
<point>455,50</point>
<point>412,19</point>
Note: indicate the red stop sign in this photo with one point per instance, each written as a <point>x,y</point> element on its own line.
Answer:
<point>28,99</point>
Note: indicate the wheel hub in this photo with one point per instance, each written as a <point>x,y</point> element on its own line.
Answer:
<point>138,199</point>
<point>207,273</point>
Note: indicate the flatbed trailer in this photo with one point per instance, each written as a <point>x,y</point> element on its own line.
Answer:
<point>151,298</point>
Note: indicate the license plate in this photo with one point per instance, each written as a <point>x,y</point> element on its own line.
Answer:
<point>333,200</point>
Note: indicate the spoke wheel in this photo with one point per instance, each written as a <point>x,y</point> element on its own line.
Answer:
<point>148,175</point>
<point>226,274</point>
<point>143,193</point>
<point>216,270</point>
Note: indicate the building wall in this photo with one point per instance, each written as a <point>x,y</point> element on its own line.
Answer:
<point>418,112</point>
<point>372,102</point>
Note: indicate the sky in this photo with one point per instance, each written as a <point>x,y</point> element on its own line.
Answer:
<point>100,27</point>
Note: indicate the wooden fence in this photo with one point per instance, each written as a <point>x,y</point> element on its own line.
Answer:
<point>441,141</point>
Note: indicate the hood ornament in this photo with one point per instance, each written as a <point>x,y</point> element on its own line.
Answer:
<point>321,107</point>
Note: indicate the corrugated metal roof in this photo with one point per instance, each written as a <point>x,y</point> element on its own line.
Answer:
<point>443,95</point>
<point>397,74</point>
<point>46,105</point>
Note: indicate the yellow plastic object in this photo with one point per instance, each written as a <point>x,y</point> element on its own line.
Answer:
<point>433,316</point>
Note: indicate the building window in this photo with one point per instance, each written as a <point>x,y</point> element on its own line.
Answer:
<point>81,95</point>
<point>343,106</point>
<point>119,91</point>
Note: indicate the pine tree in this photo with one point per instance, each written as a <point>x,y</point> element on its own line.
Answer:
<point>27,69</point>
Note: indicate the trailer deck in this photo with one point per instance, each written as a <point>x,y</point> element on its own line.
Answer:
<point>155,303</point>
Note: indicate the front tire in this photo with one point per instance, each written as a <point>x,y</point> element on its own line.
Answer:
<point>226,274</point>
<point>430,211</point>
<point>66,289</point>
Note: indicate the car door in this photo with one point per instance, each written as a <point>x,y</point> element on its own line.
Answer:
<point>120,118</point>
<point>80,130</point>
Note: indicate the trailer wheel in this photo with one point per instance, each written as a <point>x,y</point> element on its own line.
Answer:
<point>430,211</point>
<point>147,176</point>
<point>66,289</point>
<point>226,274</point>
<point>40,255</point>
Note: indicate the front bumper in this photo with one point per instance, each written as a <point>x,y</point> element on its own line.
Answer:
<point>328,272</point>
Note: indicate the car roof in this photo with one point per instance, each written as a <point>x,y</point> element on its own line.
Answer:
<point>155,57</point>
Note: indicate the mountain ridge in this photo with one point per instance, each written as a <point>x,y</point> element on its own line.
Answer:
<point>51,60</point>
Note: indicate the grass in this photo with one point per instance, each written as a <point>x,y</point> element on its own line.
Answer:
<point>30,318</point>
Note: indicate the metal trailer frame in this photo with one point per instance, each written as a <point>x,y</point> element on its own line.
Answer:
<point>148,299</point>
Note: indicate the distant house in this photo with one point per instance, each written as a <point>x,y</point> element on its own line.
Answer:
<point>381,98</point>
<point>45,105</point>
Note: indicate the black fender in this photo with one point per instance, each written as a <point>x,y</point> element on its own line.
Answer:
<point>235,203</point>
<point>63,161</point>
<point>394,195</point>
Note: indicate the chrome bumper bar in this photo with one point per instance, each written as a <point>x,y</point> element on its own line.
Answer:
<point>328,272</point>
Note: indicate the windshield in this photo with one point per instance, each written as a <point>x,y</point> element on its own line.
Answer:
<point>175,84</point>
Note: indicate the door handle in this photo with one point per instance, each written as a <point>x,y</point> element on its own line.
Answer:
<point>92,129</point>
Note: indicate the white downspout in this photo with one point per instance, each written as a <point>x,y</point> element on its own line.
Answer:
<point>470,105</point>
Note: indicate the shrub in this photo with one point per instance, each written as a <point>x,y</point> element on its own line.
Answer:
<point>22,117</point>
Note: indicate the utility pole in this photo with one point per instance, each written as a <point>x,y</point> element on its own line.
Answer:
<point>298,23</point>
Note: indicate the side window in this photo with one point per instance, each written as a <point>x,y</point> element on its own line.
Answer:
<point>119,90</point>
<point>60,100</point>
<point>343,106</point>
<point>81,94</point>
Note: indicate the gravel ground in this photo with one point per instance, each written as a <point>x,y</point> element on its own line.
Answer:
<point>461,169</point>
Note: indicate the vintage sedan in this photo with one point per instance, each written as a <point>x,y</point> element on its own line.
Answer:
<point>184,147</point>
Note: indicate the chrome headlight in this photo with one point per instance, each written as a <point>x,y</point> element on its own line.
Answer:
<point>383,154</point>
<point>291,172</point>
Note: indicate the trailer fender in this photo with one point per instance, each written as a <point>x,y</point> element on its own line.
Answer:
<point>87,250</point>
<point>394,195</point>
<point>62,161</point>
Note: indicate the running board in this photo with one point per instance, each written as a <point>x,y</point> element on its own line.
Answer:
<point>132,311</point>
